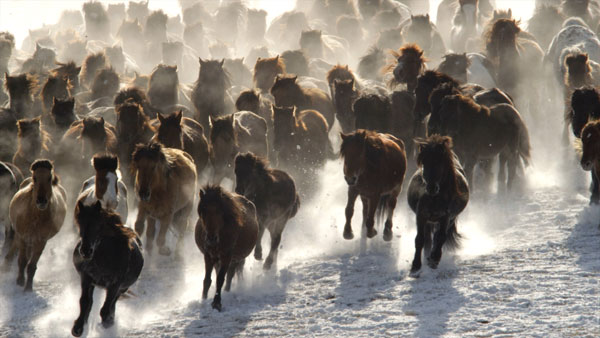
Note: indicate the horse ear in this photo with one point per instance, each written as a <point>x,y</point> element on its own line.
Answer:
<point>102,120</point>
<point>427,16</point>
<point>161,119</point>
<point>344,136</point>
<point>201,61</point>
<point>179,116</point>
<point>222,62</point>
<point>295,77</point>
<point>510,12</point>
<point>277,57</point>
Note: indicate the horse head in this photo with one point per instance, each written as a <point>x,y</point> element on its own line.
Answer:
<point>170,130</point>
<point>106,180</point>
<point>42,173</point>
<point>150,167</point>
<point>436,160</point>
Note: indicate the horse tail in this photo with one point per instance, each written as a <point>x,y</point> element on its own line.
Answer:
<point>524,144</point>
<point>453,238</point>
<point>381,207</point>
<point>295,207</point>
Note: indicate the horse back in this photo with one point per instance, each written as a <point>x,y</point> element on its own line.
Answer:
<point>280,195</point>
<point>320,101</point>
<point>248,232</point>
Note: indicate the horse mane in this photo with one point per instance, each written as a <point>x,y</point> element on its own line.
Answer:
<point>131,94</point>
<point>108,162</point>
<point>24,81</point>
<point>45,164</point>
<point>231,209</point>
<point>431,76</point>
<point>436,142</point>
<point>369,138</point>
<point>275,62</point>
<point>468,105</point>
<point>491,36</point>
<point>259,164</point>
<point>91,64</point>
<point>339,72</point>
<point>223,124</point>
<point>44,136</point>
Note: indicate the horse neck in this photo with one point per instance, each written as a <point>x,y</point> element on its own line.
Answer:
<point>343,104</point>
<point>31,146</point>
<point>579,79</point>
<point>21,104</point>
<point>449,184</point>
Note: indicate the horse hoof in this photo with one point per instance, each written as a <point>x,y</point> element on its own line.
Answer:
<point>217,306</point>
<point>108,322</point>
<point>415,273</point>
<point>387,235</point>
<point>371,232</point>
<point>21,281</point>
<point>165,251</point>
<point>268,263</point>
<point>432,263</point>
<point>28,288</point>
<point>258,255</point>
<point>348,234</point>
<point>77,330</point>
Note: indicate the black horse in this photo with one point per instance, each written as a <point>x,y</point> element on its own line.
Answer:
<point>437,194</point>
<point>108,255</point>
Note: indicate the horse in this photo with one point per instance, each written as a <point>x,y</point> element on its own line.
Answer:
<point>370,64</point>
<point>178,132</point>
<point>588,149</point>
<point>108,254</point>
<point>465,25</point>
<point>70,71</point>
<point>517,61</point>
<point>301,137</point>
<point>319,46</point>
<point>545,23</point>
<point>226,233</point>
<point>56,87</point>
<point>266,71</point>
<point>20,94</point>
<point>37,212</point>
<point>273,192</point>
<point>105,186</point>
<point>240,74</point>
<point>134,94</point>
<point>10,180</point>
<point>421,31</point>
<point>408,65</point>
<point>287,93</point>
<point>236,133</point>
<point>585,9</point>
<point>162,87</point>
<point>165,182</point>
<point>373,112</point>
<point>344,96</point>
<point>91,64</point>
<point>91,135</point>
<point>296,62</point>
<point>479,132</point>
<point>339,73</point>
<point>60,118</point>
<point>374,168</point>
<point>469,68</point>
<point>105,84</point>
<point>33,143</point>
<point>210,91</point>
<point>437,193</point>
<point>585,107</point>
<point>97,23</point>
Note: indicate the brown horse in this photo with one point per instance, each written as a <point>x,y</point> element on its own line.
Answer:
<point>273,192</point>
<point>20,93</point>
<point>210,91</point>
<point>373,112</point>
<point>456,66</point>
<point>226,233</point>
<point>408,64</point>
<point>480,132</point>
<point>61,117</point>
<point>178,132</point>
<point>33,143</point>
<point>344,96</point>
<point>288,93</point>
<point>589,150</point>
<point>301,137</point>
<point>232,134</point>
<point>37,212</point>
<point>438,192</point>
<point>70,71</point>
<point>105,84</point>
<point>86,138</point>
<point>165,182</point>
<point>56,87</point>
<point>374,168</point>
<point>265,72</point>
<point>339,73</point>
<point>162,87</point>
<point>92,64</point>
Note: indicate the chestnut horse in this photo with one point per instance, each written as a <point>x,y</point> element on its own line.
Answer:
<point>226,234</point>
<point>165,182</point>
<point>374,168</point>
<point>106,186</point>
<point>107,255</point>
<point>438,192</point>
<point>273,192</point>
<point>37,212</point>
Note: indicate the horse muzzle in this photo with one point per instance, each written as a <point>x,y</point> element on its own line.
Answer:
<point>86,253</point>
<point>41,204</point>
<point>351,180</point>
<point>433,189</point>
<point>587,165</point>
<point>211,241</point>
<point>144,196</point>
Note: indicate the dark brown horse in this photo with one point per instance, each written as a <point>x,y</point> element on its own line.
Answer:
<point>232,134</point>
<point>37,212</point>
<point>163,88</point>
<point>178,132</point>
<point>301,137</point>
<point>479,132</point>
<point>69,70</point>
<point>33,143</point>
<point>590,161</point>
<point>408,64</point>
<point>456,66</point>
<point>438,192</point>
<point>165,182</point>
<point>373,112</point>
<point>20,92</point>
<point>339,73</point>
<point>344,96</point>
<point>61,117</point>
<point>226,234</point>
<point>56,87</point>
<point>273,192</point>
<point>92,64</point>
<point>265,72</point>
<point>107,255</point>
<point>288,93</point>
<point>209,92</point>
<point>105,84</point>
<point>374,168</point>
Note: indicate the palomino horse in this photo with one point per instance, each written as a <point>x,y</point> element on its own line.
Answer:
<point>37,212</point>
<point>165,182</point>
<point>273,192</point>
<point>374,168</point>
<point>438,192</point>
<point>106,186</point>
<point>107,255</point>
<point>226,233</point>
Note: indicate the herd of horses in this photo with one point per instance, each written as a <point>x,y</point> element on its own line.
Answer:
<point>104,87</point>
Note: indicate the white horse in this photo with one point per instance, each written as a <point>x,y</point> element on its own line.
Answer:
<point>106,186</point>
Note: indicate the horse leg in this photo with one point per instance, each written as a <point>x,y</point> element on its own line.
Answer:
<point>230,274</point>
<point>352,195</point>
<point>486,166</point>
<point>439,238</point>
<point>180,221</point>
<point>469,167</point>
<point>9,237</point>
<point>85,304</point>
<point>107,312</point>
<point>36,253</point>
<point>502,161</point>
<point>275,240</point>
<point>165,222</point>
<point>512,170</point>
<point>150,233</point>
<point>258,247</point>
<point>419,241</point>
<point>427,239</point>
<point>595,189</point>
<point>372,202</point>
<point>391,205</point>
<point>10,255</point>
<point>216,304</point>
<point>22,261</point>
<point>208,267</point>
<point>140,222</point>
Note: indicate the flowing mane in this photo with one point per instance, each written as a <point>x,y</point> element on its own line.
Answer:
<point>230,208</point>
